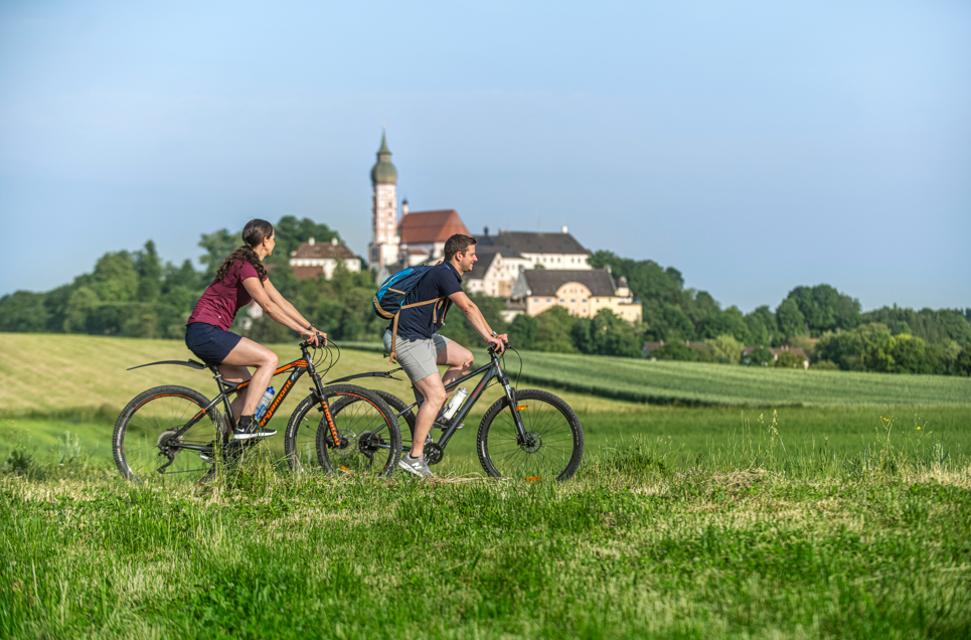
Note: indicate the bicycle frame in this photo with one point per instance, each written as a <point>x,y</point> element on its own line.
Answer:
<point>297,368</point>
<point>490,371</point>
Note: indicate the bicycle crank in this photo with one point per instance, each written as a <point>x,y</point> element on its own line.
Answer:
<point>433,453</point>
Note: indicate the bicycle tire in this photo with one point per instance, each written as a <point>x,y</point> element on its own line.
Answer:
<point>364,434</point>
<point>552,426</point>
<point>400,408</point>
<point>142,439</point>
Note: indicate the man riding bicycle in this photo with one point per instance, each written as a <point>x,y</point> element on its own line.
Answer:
<point>420,349</point>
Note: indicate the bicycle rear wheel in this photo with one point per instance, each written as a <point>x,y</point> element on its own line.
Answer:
<point>149,441</point>
<point>368,441</point>
<point>553,445</point>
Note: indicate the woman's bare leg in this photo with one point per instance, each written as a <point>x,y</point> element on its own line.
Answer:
<point>248,353</point>
<point>235,374</point>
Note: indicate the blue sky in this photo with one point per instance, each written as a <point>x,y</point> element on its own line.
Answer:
<point>755,146</point>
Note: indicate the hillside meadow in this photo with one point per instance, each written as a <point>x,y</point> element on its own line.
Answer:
<point>840,512</point>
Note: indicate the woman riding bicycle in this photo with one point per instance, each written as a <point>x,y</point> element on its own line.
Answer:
<point>240,279</point>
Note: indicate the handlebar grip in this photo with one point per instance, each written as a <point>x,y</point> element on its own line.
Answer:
<point>321,339</point>
<point>491,348</point>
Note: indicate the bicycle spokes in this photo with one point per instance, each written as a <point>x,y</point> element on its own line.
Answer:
<point>154,442</point>
<point>547,449</point>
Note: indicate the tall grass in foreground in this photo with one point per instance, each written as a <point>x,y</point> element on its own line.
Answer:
<point>753,534</point>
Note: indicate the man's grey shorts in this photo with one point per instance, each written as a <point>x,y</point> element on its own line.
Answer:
<point>419,358</point>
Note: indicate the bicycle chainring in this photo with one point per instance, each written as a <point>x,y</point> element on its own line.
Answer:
<point>433,453</point>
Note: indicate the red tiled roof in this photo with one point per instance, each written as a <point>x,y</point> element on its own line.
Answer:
<point>426,227</point>
<point>306,273</point>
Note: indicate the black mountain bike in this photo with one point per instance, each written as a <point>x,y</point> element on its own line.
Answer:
<point>175,430</point>
<point>529,434</point>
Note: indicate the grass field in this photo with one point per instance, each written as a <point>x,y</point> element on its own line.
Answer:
<point>829,519</point>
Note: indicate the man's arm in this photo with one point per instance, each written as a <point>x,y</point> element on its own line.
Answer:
<point>471,310</point>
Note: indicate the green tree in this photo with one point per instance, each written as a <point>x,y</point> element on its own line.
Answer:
<point>910,355</point>
<point>826,309</point>
<point>149,270</point>
<point>869,347</point>
<point>611,335</point>
<point>522,331</point>
<point>762,326</point>
<point>553,331</point>
<point>962,364</point>
<point>731,321</point>
<point>725,348</point>
<point>217,246</point>
<point>759,356</point>
<point>666,321</point>
<point>789,360</point>
<point>290,232</point>
<point>78,317</point>
<point>678,350</point>
<point>702,309</point>
<point>791,321</point>
<point>115,278</point>
<point>23,311</point>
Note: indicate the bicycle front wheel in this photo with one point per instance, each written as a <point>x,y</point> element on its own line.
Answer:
<point>166,432</point>
<point>367,438</point>
<point>553,443</point>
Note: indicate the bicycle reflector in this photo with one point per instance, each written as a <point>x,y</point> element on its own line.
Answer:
<point>532,478</point>
<point>520,407</point>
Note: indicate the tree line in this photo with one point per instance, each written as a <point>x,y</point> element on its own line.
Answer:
<point>826,324</point>
<point>135,293</point>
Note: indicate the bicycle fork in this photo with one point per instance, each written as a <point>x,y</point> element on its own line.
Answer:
<point>319,390</point>
<point>521,435</point>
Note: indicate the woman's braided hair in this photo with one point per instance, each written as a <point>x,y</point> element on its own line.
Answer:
<point>254,233</point>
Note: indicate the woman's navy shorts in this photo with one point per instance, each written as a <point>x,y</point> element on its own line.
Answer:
<point>209,342</point>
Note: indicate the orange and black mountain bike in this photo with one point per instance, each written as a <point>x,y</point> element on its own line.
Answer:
<point>176,431</point>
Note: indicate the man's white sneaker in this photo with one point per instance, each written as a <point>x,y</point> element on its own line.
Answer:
<point>415,466</point>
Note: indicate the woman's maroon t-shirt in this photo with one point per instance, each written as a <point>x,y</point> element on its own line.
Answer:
<point>223,298</point>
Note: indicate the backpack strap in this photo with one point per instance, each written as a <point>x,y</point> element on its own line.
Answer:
<point>393,356</point>
<point>380,309</point>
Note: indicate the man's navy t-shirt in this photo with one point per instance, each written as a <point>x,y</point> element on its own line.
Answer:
<point>416,323</point>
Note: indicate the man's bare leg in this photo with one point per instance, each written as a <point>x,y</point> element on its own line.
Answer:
<point>433,392</point>
<point>459,361</point>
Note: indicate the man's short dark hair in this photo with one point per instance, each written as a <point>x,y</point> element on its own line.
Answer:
<point>458,242</point>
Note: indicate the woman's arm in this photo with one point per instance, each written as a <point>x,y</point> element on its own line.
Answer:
<point>260,293</point>
<point>290,310</point>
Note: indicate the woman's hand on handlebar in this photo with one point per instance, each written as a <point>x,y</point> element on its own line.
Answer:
<point>314,336</point>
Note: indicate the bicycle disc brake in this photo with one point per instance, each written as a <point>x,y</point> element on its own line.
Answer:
<point>532,443</point>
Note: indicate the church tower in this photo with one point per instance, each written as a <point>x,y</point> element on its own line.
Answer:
<point>383,250</point>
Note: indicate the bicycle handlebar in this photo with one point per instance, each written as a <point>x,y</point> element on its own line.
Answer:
<point>492,349</point>
<point>321,339</point>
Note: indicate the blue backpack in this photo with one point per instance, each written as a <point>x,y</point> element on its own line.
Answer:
<point>390,298</point>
